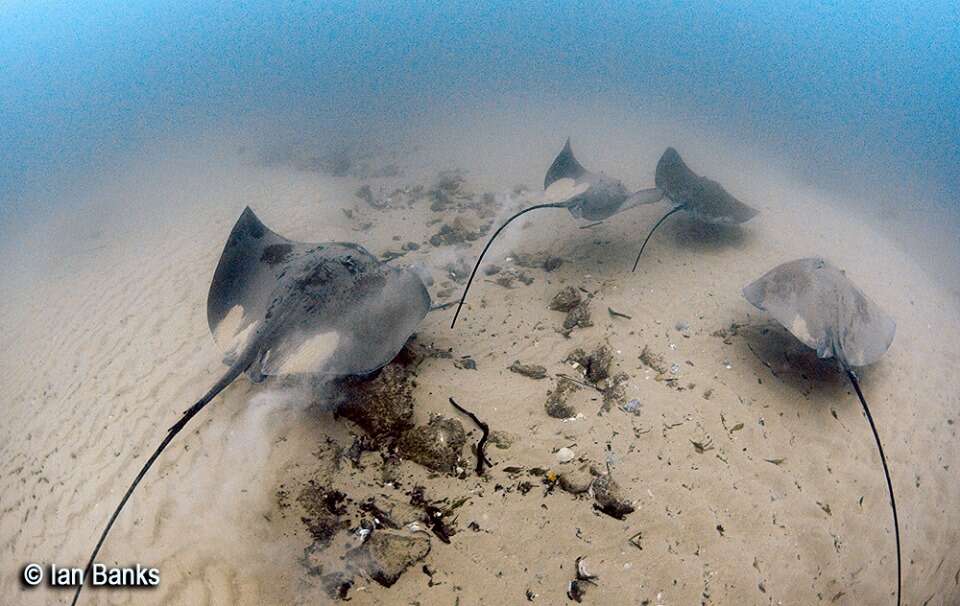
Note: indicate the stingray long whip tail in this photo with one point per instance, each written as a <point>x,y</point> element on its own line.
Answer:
<point>219,386</point>
<point>886,472</point>
<point>647,239</point>
<point>485,248</point>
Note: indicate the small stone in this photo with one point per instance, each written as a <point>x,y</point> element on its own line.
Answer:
<point>596,364</point>
<point>411,246</point>
<point>578,317</point>
<point>552,264</point>
<point>565,455</point>
<point>387,554</point>
<point>533,371</point>
<point>610,498</point>
<point>633,406</point>
<point>556,405</point>
<point>500,439</point>
<point>578,480</point>
<point>566,300</point>
<point>437,445</point>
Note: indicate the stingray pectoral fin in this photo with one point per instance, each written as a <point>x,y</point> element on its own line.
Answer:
<point>486,247</point>
<point>565,165</point>
<point>219,386</point>
<point>643,197</point>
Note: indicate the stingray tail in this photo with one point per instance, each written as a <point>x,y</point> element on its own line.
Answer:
<point>647,239</point>
<point>886,472</point>
<point>485,248</point>
<point>219,386</point>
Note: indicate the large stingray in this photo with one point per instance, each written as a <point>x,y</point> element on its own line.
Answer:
<point>820,306</point>
<point>278,307</point>
<point>703,199</point>
<point>587,195</point>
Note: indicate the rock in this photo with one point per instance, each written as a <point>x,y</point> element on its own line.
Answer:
<point>578,480</point>
<point>382,406</point>
<point>566,300</point>
<point>578,317</point>
<point>456,233</point>
<point>322,509</point>
<point>387,554</point>
<point>653,360</point>
<point>565,455</point>
<point>610,498</point>
<point>411,246</point>
<point>534,371</point>
<point>500,439</point>
<point>556,405</point>
<point>465,364</point>
<point>615,393</point>
<point>491,270</point>
<point>596,364</point>
<point>552,264</point>
<point>436,445</point>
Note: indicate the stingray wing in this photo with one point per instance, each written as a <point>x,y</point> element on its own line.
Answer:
<point>820,306</point>
<point>703,198</point>
<point>565,166</point>
<point>339,311</point>
<point>252,261</point>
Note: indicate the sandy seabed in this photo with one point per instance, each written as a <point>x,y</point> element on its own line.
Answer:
<point>753,472</point>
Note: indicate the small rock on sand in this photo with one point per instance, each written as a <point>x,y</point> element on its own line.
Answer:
<point>556,405</point>
<point>596,364</point>
<point>578,480</point>
<point>610,498</point>
<point>437,445</point>
<point>387,554</point>
<point>383,405</point>
<point>566,300</point>
<point>534,371</point>
<point>578,317</point>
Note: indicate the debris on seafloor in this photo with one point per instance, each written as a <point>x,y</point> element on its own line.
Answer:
<point>365,193</point>
<point>566,300</point>
<point>382,406</point>
<point>595,364</point>
<point>508,277</point>
<point>386,554</point>
<point>595,367</point>
<point>557,405</point>
<point>578,317</point>
<point>485,429</point>
<point>577,588</point>
<point>465,363</point>
<point>322,509</point>
<point>457,233</point>
<point>436,445</point>
<point>459,271</point>
<point>654,360</point>
<point>577,481</point>
<point>533,371</point>
<point>435,517</point>
<point>616,314</point>
<point>565,455</point>
<point>501,439</point>
<point>609,497</point>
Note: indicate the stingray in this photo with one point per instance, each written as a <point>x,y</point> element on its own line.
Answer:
<point>282,308</point>
<point>822,308</point>
<point>701,198</point>
<point>585,194</point>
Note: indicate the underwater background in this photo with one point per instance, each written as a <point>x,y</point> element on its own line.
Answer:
<point>851,95</point>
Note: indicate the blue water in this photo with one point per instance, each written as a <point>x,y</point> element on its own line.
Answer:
<point>856,96</point>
